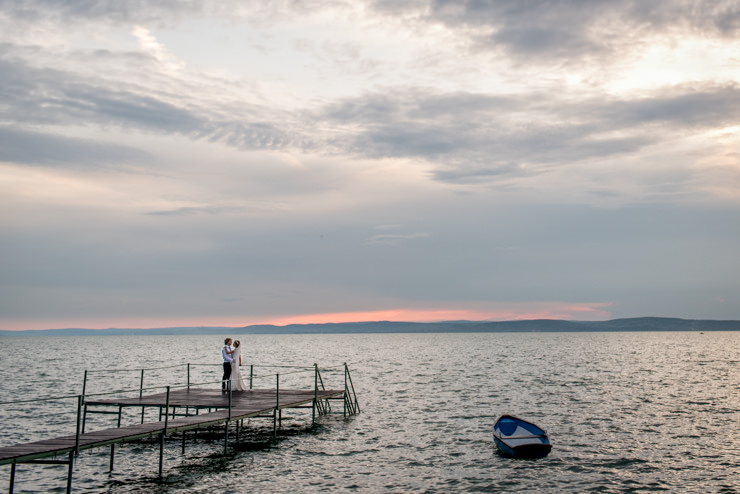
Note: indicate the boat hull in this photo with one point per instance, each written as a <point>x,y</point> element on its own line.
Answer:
<point>518,438</point>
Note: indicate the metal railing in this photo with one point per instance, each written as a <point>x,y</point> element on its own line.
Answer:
<point>322,406</point>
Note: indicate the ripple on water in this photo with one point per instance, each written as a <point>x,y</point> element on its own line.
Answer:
<point>625,412</point>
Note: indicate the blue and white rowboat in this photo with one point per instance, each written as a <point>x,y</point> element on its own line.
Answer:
<point>520,439</point>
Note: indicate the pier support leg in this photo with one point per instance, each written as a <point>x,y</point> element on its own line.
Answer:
<point>226,437</point>
<point>12,478</point>
<point>315,393</point>
<point>274,425</point>
<point>161,454</point>
<point>141,391</point>
<point>69,471</point>
<point>77,433</point>
<point>113,446</point>
<point>84,418</point>
<point>277,408</point>
<point>183,442</point>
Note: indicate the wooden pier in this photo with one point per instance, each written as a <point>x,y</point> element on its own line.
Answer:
<point>180,410</point>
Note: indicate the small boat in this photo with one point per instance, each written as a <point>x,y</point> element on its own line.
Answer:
<point>520,439</point>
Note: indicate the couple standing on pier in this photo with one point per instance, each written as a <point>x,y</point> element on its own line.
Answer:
<point>232,361</point>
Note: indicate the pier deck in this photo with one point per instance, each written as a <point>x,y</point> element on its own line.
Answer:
<point>244,404</point>
<point>251,401</point>
<point>203,408</point>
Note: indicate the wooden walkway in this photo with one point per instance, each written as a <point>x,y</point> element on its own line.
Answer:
<point>203,408</point>
<point>244,404</point>
<point>253,401</point>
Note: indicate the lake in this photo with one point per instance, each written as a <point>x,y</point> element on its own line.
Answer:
<point>626,412</point>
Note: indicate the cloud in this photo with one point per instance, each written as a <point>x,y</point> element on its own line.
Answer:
<point>45,97</point>
<point>235,210</point>
<point>51,96</point>
<point>687,106</point>
<point>394,238</point>
<point>123,11</point>
<point>463,137</point>
<point>188,211</point>
<point>151,45</point>
<point>479,137</point>
<point>37,148</point>
<point>552,32</point>
<point>161,13</point>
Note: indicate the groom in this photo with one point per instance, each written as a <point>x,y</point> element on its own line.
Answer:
<point>226,352</point>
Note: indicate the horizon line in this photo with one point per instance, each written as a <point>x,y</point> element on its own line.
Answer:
<point>472,321</point>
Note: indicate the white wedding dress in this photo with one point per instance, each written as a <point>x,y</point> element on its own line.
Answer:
<point>237,383</point>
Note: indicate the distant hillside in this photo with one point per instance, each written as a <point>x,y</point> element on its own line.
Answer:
<point>536,325</point>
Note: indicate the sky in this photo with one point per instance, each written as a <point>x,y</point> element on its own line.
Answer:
<point>230,163</point>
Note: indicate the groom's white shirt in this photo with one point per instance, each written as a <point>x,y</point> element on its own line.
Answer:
<point>227,357</point>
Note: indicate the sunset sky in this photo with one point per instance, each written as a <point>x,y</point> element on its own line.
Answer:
<point>231,163</point>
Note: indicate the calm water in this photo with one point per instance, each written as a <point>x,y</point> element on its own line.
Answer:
<point>626,412</point>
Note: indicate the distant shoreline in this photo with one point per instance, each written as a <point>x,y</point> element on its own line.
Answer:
<point>645,324</point>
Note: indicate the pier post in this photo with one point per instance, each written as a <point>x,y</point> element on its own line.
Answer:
<point>12,478</point>
<point>315,393</point>
<point>187,409</point>
<point>84,383</point>
<point>251,374</point>
<point>277,407</point>
<point>69,471</point>
<point>354,407</point>
<point>84,388</point>
<point>161,453</point>
<point>141,390</point>
<point>77,434</point>
<point>226,437</point>
<point>166,409</point>
<point>164,432</point>
<point>228,418</point>
<point>113,446</point>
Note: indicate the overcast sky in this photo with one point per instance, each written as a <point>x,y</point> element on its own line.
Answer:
<point>231,163</point>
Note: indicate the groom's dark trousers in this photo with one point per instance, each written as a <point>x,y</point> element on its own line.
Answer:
<point>227,375</point>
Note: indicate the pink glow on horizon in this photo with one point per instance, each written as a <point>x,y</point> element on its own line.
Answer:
<point>589,312</point>
<point>474,312</point>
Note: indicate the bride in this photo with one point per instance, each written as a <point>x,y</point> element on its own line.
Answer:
<point>237,383</point>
